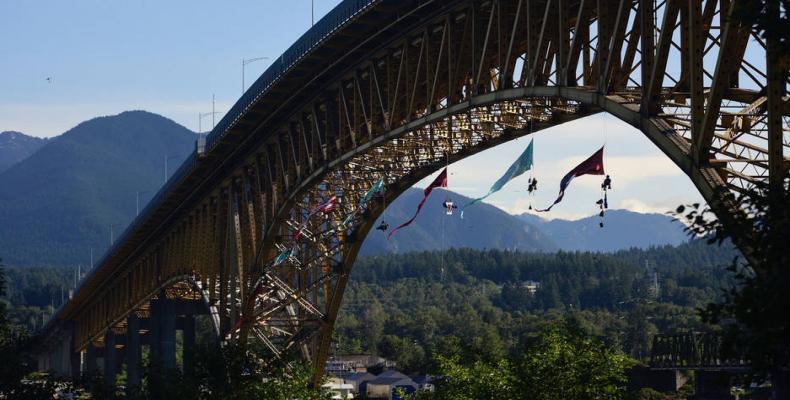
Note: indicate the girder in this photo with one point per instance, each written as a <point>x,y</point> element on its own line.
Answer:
<point>400,89</point>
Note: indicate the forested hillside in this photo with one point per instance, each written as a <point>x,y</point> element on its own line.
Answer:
<point>407,306</point>
<point>61,202</point>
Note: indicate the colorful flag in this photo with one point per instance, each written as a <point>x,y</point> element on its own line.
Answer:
<point>590,166</point>
<point>323,207</point>
<point>378,186</point>
<point>282,256</point>
<point>440,181</point>
<point>522,164</point>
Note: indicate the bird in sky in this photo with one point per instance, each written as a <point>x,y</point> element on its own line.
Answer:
<point>49,79</point>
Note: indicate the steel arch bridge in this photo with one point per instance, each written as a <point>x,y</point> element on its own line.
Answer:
<point>394,90</point>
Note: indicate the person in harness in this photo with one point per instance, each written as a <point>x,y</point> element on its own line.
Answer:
<point>603,203</point>
<point>449,206</point>
<point>607,183</point>
<point>383,226</point>
<point>533,185</point>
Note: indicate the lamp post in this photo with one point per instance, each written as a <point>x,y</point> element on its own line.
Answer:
<point>244,63</point>
<point>200,120</point>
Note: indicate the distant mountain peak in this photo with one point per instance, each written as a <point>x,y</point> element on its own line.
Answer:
<point>16,146</point>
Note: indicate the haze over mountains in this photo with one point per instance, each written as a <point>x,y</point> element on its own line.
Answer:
<point>16,146</point>
<point>59,203</point>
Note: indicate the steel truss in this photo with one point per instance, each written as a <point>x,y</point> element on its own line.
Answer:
<point>405,88</point>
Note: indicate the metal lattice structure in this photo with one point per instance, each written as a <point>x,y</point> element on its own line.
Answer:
<point>691,351</point>
<point>395,90</point>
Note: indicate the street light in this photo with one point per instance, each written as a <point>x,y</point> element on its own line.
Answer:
<point>244,63</point>
<point>200,120</point>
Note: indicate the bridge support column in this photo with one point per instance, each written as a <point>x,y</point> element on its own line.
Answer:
<point>110,358</point>
<point>712,385</point>
<point>188,355</point>
<point>76,363</point>
<point>91,366</point>
<point>63,357</point>
<point>132,351</point>
<point>781,383</point>
<point>167,333</point>
<point>153,331</point>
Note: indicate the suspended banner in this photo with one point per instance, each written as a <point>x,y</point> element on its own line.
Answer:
<point>325,206</point>
<point>522,164</point>
<point>378,186</point>
<point>590,166</point>
<point>282,256</point>
<point>440,181</point>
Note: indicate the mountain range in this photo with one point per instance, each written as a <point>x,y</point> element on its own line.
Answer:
<point>622,229</point>
<point>63,201</point>
<point>484,226</point>
<point>16,146</point>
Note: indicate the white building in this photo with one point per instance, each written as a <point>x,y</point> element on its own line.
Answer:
<point>340,389</point>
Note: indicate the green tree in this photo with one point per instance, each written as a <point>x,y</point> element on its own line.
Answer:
<point>562,362</point>
<point>755,312</point>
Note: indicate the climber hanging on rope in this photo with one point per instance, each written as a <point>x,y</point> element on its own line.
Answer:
<point>607,183</point>
<point>449,206</point>
<point>383,226</point>
<point>603,203</point>
<point>533,185</point>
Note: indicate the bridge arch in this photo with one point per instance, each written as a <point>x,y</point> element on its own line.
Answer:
<point>392,89</point>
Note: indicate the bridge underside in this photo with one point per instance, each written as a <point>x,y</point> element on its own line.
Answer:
<point>399,91</point>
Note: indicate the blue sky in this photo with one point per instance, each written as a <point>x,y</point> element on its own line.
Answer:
<point>169,57</point>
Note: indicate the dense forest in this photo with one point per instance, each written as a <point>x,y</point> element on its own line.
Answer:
<point>408,307</point>
<point>412,306</point>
